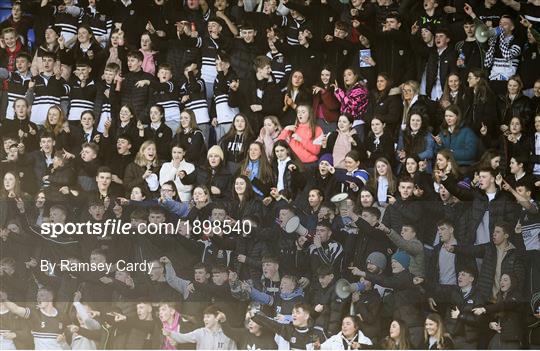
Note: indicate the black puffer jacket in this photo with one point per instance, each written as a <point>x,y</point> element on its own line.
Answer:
<point>139,98</point>
<point>293,182</point>
<point>439,66</point>
<point>369,306</point>
<point>394,56</point>
<point>304,97</point>
<point>404,302</point>
<point>507,311</point>
<point>330,317</point>
<point>193,143</point>
<point>271,99</point>
<point>512,263</point>
<point>209,177</point>
<point>478,112</point>
<point>388,107</point>
<point>283,246</point>
<point>250,246</point>
<point>369,239</point>
<point>502,208</point>
<point>62,176</point>
<point>329,185</point>
<point>533,323</point>
<point>519,107</point>
<point>382,147</point>
<point>425,107</point>
<point>467,323</point>
<point>252,208</point>
<point>403,211</point>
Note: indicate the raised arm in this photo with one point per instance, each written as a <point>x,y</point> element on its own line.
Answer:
<point>16,309</point>
<point>462,194</point>
<point>192,337</point>
<point>411,247</point>
<point>177,283</point>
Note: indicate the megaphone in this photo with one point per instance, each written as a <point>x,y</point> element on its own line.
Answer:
<point>482,32</point>
<point>338,198</point>
<point>344,289</point>
<point>293,225</point>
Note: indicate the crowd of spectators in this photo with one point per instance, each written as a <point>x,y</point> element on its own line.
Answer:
<point>337,174</point>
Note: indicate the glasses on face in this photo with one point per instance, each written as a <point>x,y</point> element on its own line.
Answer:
<point>167,190</point>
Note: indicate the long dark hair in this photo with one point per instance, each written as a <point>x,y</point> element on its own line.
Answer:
<point>247,133</point>
<point>446,90</point>
<point>248,195</point>
<point>485,159</point>
<point>374,177</point>
<point>482,88</point>
<point>502,296</point>
<point>455,110</point>
<point>301,87</point>
<point>94,44</point>
<point>17,188</point>
<point>115,31</point>
<point>330,81</point>
<point>404,342</point>
<point>380,95</point>
<point>290,152</point>
<point>265,170</point>
<point>414,144</point>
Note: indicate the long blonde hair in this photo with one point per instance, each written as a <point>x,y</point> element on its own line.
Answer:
<point>141,160</point>
<point>441,332</point>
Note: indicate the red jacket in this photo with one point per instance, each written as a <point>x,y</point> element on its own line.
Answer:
<point>306,151</point>
<point>329,103</point>
<point>8,59</point>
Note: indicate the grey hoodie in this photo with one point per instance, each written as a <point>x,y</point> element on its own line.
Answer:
<point>205,339</point>
<point>80,342</point>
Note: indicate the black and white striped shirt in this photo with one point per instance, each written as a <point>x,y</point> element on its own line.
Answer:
<point>81,99</point>
<point>48,91</point>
